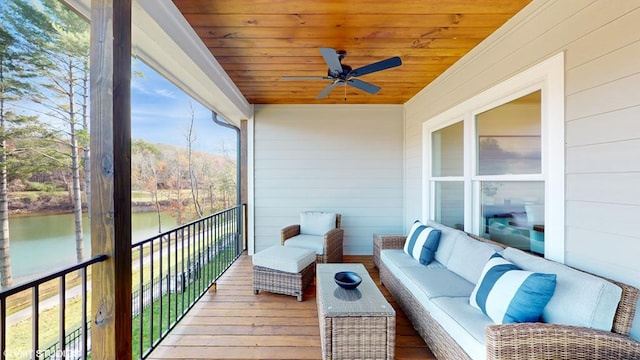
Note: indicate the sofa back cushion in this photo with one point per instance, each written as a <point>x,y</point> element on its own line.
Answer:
<point>580,299</point>
<point>316,222</point>
<point>448,237</point>
<point>469,257</point>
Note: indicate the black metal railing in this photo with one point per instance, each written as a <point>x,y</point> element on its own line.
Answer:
<point>172,271</point>
<point>33,311</point>
<point>176,268</point>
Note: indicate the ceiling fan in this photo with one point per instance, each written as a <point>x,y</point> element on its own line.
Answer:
<point>340,73</point>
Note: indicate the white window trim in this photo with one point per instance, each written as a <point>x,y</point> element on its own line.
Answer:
<point>547,76</point>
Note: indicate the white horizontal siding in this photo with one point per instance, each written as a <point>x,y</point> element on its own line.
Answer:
<point>345,159</point>
<point>602,102</point>
<point>602,108</point>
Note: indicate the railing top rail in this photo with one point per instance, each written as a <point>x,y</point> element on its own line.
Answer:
<point>28,285</point>
<point>178,228</point>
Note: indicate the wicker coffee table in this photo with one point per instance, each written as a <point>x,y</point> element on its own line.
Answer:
<point>354,324</point>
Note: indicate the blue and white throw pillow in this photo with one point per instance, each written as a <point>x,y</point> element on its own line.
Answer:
<point>508,294</point>
<point>422,242</point>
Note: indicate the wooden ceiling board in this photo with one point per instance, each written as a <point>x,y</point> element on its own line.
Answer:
<point>258,42</point>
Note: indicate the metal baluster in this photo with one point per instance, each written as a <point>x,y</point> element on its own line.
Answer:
<point>151,277</point>
<point>63,308</point>
<point>141,302</point>
<point>35,332</point>
<point>161,295</point>
<point>84,329</point>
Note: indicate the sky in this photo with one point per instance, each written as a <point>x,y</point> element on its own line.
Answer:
<point>160,113</point>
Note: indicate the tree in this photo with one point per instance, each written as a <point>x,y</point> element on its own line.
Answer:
<point>193,180</point>
<point>147,166</point>
<point>22,137</point>
<point>177,171</point>
<point>63,37</point>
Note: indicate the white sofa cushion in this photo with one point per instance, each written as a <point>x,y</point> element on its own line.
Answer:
<point>448,237</point>
<point>316,222</point>
<point>401,266</point>
<point>438,282</point>
<point>464,323</point>
<point>312,242</point>
<point>282,258</point>
<point>580,299</point>
<point>469,257</point>
<point>508,294</point>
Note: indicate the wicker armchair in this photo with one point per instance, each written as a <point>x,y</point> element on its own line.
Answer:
<point>331,241</point>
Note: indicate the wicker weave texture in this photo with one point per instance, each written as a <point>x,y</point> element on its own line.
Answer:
<point>358,338</point>
<point>362,333</point>
<point>441,344</point>
<point>385,242</point>
<point>552,341</point>
<point>281,282</point>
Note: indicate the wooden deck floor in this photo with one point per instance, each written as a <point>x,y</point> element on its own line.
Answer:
<point>233,323</point>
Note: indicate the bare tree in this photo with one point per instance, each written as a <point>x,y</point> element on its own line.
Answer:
<point>193,181</point>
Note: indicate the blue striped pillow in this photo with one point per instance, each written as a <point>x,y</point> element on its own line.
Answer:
<point>422,242</point>
<point>508,294</point>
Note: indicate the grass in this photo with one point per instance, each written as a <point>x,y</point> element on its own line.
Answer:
<point>24,299</point>
<point>19,335</point>
<point>163,312</point>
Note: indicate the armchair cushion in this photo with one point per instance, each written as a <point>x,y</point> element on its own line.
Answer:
<point>311,242</point>
<point>316,223</point>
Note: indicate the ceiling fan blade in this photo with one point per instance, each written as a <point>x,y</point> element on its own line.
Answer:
<point>377,66</point>
<point>325,92</point>
<point>331,58</point>
<point>364,86</point>
<point>299,78</point>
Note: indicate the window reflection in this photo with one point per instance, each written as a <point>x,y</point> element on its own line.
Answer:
<point>513,213</point>
<point>449,209</point>
<point>509,138</point>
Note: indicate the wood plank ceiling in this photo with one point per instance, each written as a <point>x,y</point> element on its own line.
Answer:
<point>258,42</point>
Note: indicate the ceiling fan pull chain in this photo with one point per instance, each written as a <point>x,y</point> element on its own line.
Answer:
<point>345,91</point>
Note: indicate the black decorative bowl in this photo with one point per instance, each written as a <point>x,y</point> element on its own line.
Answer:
<point>347,279</point>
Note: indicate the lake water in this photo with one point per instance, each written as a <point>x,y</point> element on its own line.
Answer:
<point>44,243</point>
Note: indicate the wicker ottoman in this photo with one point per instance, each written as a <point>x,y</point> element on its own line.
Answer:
<point>283,270</point>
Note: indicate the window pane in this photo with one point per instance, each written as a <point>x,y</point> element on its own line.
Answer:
<point>509,138</point>
<point>449,198</point>
<point>448,151</point>
<point>513,214</point>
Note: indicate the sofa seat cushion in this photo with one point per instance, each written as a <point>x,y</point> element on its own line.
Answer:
<point>429,281</point>
<point>401,265</point>
<point>580,299</point>
<point>464,323</point>
<point>312,242</point>
<point>439,282</point>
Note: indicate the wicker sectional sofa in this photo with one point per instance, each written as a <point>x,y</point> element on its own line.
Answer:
<point>588,317</point>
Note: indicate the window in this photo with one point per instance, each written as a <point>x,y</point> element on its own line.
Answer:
<point>447,148</point>
<point>509,170</point>
<point>488,169</point>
